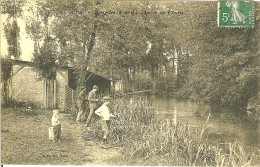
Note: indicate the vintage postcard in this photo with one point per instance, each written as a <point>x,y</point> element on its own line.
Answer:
<point>135,83</point>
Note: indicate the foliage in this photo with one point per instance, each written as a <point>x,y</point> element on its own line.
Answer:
<point>241,81</point>
<point>121,41</point>
<point>12,35</point>
<point>12,7</point>
<point>45,60</point>
<point>73,26</point>
<point>165,84</point>
<point>224,69</point>
<point>6,69</point>
<point>143,81</point>
<point>77,24</point>
<point>25,107</point>
<point>127,43</point>
<point>35,27</point>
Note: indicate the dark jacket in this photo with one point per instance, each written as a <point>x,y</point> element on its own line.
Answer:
<point>92,98</point>
<point>82,99</point>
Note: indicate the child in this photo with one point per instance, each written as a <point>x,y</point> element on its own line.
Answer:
<point>56,126</point>
<point>105,115</point>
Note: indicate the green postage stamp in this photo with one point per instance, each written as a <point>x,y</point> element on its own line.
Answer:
<point>236,14</point>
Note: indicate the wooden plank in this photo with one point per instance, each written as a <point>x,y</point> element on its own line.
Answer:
<point>88,77</point>
<point>65,100</point>
<point>44,94</point>
<point>47,93</point>
<point>10,86</point>
<point>63,76</point>
<point>72,93</point>
<point>17,70</point>
<point>66,77</point>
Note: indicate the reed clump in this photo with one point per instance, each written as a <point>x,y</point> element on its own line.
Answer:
<point>149,141</point>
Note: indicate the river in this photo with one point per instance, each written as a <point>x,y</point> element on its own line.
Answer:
<point>224,127</point>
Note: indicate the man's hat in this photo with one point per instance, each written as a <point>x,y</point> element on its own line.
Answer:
<point>106,98</point>
<point>95,87</point>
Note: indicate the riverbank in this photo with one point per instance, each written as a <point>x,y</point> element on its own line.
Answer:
<point>149,140</point>
<point>24,139</point>
<point>136,136</point>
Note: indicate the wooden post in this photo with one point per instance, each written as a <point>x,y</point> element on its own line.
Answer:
<point>9,88</point>
<point>65,99</point>
<point>44,94</point>
<point>54,94</point>
<point>48,94</point>
<point>66,77</point>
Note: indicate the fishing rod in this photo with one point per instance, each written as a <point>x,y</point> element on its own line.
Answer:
<point>130,93</point>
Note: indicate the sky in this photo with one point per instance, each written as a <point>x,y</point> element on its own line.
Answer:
<point>26,43</point>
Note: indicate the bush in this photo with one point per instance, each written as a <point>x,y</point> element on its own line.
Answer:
<point>143,81</point>
<point>165,84</point>
<point>6,69</point>
<point>227,83</point>
<point>12,103</point>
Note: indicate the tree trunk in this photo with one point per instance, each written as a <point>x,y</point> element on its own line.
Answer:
<point>153,75</point>
<point>17,55</point>
<point>93,35</point>
<point>5,93</point>
<point>134,71</point>
<point>17,42</point>
<point>83,72</point>
<point>111,72</point>
<point>90,47</point>
<point>152,71</point>
<point>125,79</point>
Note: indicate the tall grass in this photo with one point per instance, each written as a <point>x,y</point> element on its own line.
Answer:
<point>149,141</point>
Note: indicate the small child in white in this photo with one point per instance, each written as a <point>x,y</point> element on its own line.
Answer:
<point>104,113</point>
<point>56,125</point>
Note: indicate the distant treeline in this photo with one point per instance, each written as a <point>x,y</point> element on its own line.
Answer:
<point>184,55</point>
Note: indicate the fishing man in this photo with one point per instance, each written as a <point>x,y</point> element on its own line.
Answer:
<point>93,100</point>
<point>82,100</point>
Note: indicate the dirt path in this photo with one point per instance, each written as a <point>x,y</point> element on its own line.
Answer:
<point>24,140</point>
<point>94,154</point>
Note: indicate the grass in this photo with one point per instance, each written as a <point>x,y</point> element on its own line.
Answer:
<point>24,139</point>
<point>148,141</point>
<point>142,137</point>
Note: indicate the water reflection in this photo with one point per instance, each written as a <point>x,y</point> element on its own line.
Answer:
<point>226,127</point>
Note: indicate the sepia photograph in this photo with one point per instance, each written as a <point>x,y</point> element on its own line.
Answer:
<point>130,83</point>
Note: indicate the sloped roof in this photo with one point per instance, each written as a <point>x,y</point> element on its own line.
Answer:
<point>63,67</point>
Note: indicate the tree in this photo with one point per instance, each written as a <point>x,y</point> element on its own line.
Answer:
<point>45,47</point>
<point>73,25</point>
<point>6,69</point>
<point>123,41</point>
<point>12,30</point>
<point>35,27</point>
<point>224,62</point>
<point>45,59</point>
<point>46,66</point>
<point>13,8</point>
